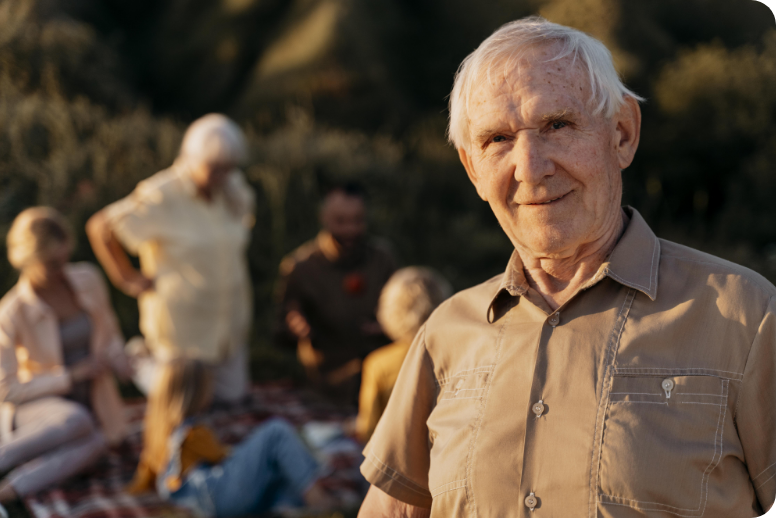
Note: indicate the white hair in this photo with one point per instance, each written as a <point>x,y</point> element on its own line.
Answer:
<point>214,138</point>
<point>407,300</point>
<point>505,46</point>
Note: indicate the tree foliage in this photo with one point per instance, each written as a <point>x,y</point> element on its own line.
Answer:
<point>94,95</point>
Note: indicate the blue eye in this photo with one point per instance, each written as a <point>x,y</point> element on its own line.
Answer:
<point>558,125</point>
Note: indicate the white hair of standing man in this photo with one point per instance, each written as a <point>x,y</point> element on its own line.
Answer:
<point>504,48</point>
<point>214,138</point>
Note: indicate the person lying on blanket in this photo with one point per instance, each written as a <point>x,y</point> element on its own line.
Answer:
<point>188,466</point>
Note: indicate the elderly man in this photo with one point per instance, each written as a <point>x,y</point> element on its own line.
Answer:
<point>606,373</point>
<point>329,292</point>
<point>190,224</point>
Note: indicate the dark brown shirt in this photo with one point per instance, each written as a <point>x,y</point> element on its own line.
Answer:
<point>337,296</point>
<point>652,392</point>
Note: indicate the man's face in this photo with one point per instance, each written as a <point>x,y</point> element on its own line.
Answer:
<point>344,217</point>
<point>210,176</point>
<point>548,167</point>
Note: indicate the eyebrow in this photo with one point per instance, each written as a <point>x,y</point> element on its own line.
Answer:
<point>564,113</point>
<point>558,114</point>
<point>484,135</point>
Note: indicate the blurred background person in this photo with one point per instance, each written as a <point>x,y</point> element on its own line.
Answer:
<point>184,461</point>
<point>407,300</point>
<point>190,225</point>
<point>59,347</point>
<point>329,292</point>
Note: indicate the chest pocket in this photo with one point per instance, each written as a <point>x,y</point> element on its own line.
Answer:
<point>662,439</point>
<point>451,427</point>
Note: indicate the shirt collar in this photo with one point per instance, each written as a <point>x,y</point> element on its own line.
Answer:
<point>37,308</point>
<point>634,263</point>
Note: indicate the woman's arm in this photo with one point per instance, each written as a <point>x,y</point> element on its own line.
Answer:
<point>378,504</point>
<point>113,258</point>
<point>11,389</point>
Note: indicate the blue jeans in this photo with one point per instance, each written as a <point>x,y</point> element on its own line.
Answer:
<point>269,468</point>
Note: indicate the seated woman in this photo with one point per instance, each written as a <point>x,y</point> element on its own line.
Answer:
<point>407,300</point>
<point>185,463</point>
<point>59,344</point>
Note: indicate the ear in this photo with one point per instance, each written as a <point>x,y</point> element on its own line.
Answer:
<point>467,164</point>
<point>627,131</point>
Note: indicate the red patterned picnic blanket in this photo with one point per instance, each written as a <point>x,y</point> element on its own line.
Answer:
<point>98,493</point>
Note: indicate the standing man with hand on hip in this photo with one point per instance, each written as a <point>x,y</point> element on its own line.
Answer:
<point>190,225</point>
<point>606,373</point>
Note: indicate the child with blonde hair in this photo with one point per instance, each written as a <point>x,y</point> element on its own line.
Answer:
<point>187,465</point>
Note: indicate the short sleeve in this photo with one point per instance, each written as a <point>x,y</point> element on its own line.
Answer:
<point>756,410</point>
<point>398,455</point>
<point>136,219</point>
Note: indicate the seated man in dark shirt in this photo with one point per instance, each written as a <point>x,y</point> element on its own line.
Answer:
<point>329,292</point>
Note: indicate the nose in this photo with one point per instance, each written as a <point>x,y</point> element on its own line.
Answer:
<point>530,158</point>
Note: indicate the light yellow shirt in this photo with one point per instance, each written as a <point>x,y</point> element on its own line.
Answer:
<point>195,252</point>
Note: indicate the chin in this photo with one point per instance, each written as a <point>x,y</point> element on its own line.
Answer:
<point>550,242</point>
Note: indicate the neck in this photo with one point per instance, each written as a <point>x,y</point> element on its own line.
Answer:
<point>42,280</point>
<point>558,278</point>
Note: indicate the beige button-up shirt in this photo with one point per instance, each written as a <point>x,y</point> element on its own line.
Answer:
<point>195,252</point>
<point>652,392</point>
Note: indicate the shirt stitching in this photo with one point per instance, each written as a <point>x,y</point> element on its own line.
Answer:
<point>438,490</point>
<point>469,467</point>
<point>763,471</point>
<point>720,431</point>
<point>639,402</point>
<point>393,474</point>
<point>445,380</point>
<point>736,376</point>
<point>611,355</point>
<point>653,270</point>
<point>636,507</point>
<point>764,481</point>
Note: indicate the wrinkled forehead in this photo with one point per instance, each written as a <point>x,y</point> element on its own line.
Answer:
<point>533,78</point>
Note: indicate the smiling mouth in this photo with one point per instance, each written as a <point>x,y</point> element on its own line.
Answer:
<point>548,201</point>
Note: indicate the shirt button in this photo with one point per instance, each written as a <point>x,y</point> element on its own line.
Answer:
<point>554,319</point>
<point>668,385</point>
<point>538,408</point>
<point>531,501</point>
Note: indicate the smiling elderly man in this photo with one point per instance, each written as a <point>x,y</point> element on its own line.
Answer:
<point>606,373</point>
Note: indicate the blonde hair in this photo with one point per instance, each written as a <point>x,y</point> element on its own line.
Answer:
<point>408,299</point>
<point>33,235</point>
<point>213,138</point>
<point>504,48</point>
<point>182,390</point>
